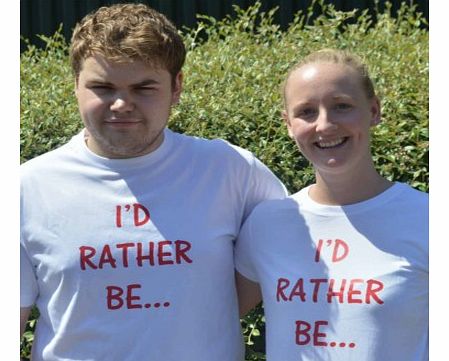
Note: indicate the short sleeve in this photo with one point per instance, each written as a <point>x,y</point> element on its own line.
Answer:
<point>264,185</point>
<point>243,255</point>
<point>28,281</point>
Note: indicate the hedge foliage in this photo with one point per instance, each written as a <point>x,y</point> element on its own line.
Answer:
<point>233,74</point>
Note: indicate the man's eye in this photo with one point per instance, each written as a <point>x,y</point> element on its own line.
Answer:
<point>343,106</point>
<point>100,87</point>
<point>145,89</point>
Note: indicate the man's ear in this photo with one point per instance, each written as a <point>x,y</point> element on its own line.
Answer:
<point>375,111</point>
<point>75,88</point>
<point>177,88</point>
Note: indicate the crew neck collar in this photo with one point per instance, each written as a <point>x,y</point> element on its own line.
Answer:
<point>304,199</point>
<point>127,163</point>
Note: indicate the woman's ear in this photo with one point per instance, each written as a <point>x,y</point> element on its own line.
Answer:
<point>375,111</point>
<point>287,123</point>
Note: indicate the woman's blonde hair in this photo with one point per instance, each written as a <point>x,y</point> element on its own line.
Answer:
<point>335,56</point>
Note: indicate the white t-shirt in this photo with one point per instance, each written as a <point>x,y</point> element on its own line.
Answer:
<point>132,259</point>
<point>346,283</point>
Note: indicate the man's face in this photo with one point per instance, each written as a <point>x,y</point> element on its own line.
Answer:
<point>125,106</point>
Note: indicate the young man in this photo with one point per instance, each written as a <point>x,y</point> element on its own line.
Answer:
<point>127,231</point>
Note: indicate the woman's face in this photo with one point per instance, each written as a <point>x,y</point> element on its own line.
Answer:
<point>329,115</point>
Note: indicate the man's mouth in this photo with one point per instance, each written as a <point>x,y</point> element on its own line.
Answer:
<point>122,121</point>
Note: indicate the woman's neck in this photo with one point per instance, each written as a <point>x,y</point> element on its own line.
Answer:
<point>344,189</point>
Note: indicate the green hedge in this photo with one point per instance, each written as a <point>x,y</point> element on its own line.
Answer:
<point>233,73</point>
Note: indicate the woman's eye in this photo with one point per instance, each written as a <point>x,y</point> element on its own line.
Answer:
<point>306,113</point>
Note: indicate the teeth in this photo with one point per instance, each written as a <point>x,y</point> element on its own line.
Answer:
<point>330,144</point>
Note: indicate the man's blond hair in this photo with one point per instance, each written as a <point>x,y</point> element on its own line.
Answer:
<point>126,32</point>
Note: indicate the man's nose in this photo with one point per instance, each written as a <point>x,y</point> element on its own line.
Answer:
<point>122,102</point>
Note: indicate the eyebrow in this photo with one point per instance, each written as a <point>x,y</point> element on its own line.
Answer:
<point>97,81</point>
<point>144,82</point>
<point>341,96</point>
<point>335,97</point>
<point>298,106</point>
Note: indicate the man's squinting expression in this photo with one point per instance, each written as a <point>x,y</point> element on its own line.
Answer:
<point>329,115</point>
<point>125,106</point>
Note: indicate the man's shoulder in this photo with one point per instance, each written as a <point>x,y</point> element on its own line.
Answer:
<point>270,209</point>
<point>49,160</point>
<point>216,147</point>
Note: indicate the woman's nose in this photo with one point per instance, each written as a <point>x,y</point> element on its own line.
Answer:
<point>324,122</point>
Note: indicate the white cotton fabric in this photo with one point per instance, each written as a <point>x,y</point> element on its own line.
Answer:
<point>159,228</point>
<point>295,247</point>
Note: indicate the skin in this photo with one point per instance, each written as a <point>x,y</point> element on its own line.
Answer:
<point>329,116</point>
<point>24,314</point>
<point>125,106</point>
<point>249,294</point>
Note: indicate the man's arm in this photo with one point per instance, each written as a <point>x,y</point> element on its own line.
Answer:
<point>248,292</point>
<point>24,315</point>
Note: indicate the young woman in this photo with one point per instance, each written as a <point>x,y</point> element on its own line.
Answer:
<point>342,265</point>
